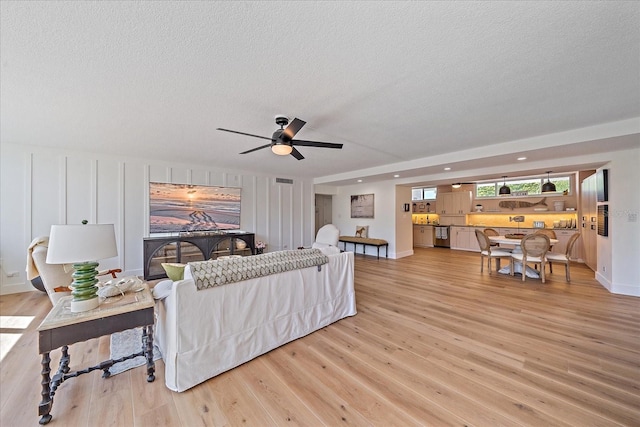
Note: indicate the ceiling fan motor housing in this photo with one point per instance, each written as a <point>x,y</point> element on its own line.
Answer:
<point>282,121</point>
<point>279,135</point>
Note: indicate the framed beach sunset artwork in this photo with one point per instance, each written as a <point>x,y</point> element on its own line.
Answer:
<point>177,208</point>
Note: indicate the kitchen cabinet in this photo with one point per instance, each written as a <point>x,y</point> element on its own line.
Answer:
<point>458,203</point>
<point>423,236</point>
<point>464,238</point>
<point>563,238</point>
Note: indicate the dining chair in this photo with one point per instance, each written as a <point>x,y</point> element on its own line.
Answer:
<point>564,258</point>
<point>491,232</point>
<point>552,235</point>
<point>534,248</point>
<point>487,251</point>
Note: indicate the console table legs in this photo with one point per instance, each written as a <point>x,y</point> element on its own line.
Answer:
<point>44,408</point>
<point>49,386</point>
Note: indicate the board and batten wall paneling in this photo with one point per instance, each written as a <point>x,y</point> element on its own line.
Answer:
<point>43,186</point>
<point>46,191</point>
<point>136,212</point>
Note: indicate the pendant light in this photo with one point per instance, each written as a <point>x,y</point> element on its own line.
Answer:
<point>548,187</point>
<point>504,190</point>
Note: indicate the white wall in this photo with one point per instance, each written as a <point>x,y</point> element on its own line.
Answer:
<point>618,254</point>
<point>382,226</point>
<point>40,187</point>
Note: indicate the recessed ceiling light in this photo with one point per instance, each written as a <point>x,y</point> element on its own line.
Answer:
<point>359,180</point>
<point>522,158</point>
<point>447,169</point>
<point>396,176</point>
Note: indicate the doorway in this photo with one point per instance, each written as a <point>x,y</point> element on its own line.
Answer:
<point>324,206</point>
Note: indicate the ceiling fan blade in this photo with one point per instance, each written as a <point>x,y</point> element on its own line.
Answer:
<point>244,133</point>
<point>295,153</point>
<point>257,148</point>
<point>293,128</point>
<point>303,143</point>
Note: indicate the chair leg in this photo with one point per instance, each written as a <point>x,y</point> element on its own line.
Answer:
<point>542,268</point>
<point>550,267</point>
<point>512,266</point>
<point>481,263</point>
<point>524,269</point>
<point>489,264</point>
<point>568,274</point>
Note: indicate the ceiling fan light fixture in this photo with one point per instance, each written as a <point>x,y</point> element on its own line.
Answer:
<point>456,185</point>
<point>504,190</point>
<point>281,149</point>
<point>548,187</point>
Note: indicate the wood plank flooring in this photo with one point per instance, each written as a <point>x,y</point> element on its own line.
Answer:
<point>435,342</point>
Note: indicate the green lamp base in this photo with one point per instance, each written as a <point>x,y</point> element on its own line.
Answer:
<point>84,291</point>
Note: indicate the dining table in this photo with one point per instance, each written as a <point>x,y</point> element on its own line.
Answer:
<point>517,266</point>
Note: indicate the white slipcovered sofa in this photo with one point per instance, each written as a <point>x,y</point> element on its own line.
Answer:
<point>202,333</point>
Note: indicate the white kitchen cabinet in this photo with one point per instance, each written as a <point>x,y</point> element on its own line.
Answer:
<point>464,239</point>
<point>563,238</point>
<point>462,202</point>
<point>423,236</point>
<point>458,203</point>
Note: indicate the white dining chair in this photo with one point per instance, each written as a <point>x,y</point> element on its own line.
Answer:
<point>534,248</point>
<point>564,258</point>
<point>486,250</point>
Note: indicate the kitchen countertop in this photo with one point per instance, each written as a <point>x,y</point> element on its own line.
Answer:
<point>493,226</point>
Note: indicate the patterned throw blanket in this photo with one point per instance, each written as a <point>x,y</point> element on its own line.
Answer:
<point>207,274</point>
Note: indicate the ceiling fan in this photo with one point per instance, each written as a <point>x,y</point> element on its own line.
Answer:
<point>282,142</point>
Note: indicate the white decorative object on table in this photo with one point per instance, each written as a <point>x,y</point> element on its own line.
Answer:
<point>115,287</point>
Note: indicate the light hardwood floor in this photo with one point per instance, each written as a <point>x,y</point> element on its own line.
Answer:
<point>435,342</point>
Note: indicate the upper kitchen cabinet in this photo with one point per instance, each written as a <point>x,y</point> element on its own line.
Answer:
<point>457,203</point>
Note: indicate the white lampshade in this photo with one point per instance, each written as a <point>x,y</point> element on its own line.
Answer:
<point>80,243</point>
<point>281,149</point>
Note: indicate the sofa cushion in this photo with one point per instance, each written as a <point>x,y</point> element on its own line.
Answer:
<point>162,289</point>
<point>174,270</point>
<point>207,274</point>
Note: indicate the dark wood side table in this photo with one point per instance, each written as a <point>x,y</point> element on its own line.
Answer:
<point>61,328</point>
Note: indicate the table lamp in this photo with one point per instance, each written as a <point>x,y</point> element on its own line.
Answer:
<point>82,245</point>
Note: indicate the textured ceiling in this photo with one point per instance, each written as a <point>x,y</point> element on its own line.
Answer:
<point>395,82</point>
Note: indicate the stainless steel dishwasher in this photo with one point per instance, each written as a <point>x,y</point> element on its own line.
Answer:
<point>442,236</point>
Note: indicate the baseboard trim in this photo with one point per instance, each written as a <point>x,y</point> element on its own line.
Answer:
<point>618,289</point>
<point>16,288</point>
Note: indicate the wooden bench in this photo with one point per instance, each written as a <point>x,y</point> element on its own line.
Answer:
<point>364,241</point>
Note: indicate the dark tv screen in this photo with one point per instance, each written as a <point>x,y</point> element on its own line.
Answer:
<point>188,208</point>
<point>602,185</point>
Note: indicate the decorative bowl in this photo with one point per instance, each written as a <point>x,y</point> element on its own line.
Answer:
<point>515,236</point>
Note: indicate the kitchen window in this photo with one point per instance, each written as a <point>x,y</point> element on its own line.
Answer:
<point>424,193</point>
<point>528,187</point>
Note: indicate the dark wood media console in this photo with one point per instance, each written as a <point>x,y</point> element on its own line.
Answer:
<point>186,248</point>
